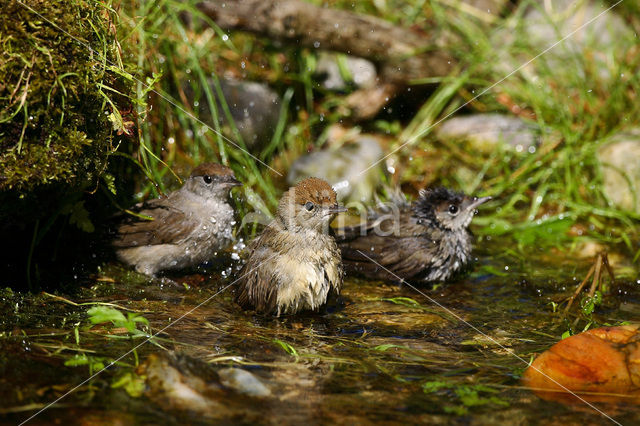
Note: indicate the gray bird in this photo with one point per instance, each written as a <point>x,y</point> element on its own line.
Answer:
<point>428,241</point>
<point>294,263</point>
<point>187,226</point>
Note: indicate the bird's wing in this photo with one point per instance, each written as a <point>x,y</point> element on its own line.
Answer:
<point>392,258</point>
<point>169,224</point>
<point>257,283</point>
<point>402,247</point>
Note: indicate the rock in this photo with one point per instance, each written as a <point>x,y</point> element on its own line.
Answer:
<point>243,382</point>
<point>55,134</point>
<point>604,362</point>
<point>175,387</point>
<point>597,39</point>
<point>361,71</point>
<point>179,382</point>
<point>553,20</point>
<point>620,167</point>
<point>486,131</point>
<point>346,168</point>
<point>255,109</point>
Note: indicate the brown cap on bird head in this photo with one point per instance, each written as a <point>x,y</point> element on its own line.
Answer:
<point>310,196</point>
<point>314,190</point>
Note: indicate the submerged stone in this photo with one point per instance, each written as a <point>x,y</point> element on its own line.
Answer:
<point>243,381</point>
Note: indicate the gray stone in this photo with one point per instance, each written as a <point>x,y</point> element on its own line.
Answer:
<point>486,131</point>
<point>347,168</point>
<point>601,37</point>
<point>243,382</point>
<point>620,167</point>
<point>254,107</point>
<point>553,20</point>
<point>362,71</point>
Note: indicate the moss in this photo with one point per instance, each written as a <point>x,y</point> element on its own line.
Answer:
<point>54,125</point>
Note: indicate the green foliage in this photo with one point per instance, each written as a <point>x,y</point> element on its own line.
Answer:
<point>466,396</point>
<point>105,314</point>
<point>287,347</point>
<point>54,125</point>
<point>79,216</point>
<point>94,363</point>
<point>541,233</point>
<point>540,195</point>
<point>131,382</point>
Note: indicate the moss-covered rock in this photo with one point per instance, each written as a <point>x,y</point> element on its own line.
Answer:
<point>62,96</point>
<point>54,113</point>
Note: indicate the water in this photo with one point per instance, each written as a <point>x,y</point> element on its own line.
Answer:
<point>379,353</point>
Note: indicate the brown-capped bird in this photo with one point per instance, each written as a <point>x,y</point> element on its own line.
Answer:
<point>188,225</point>
<point>294,263</point>
<point>428,241</point>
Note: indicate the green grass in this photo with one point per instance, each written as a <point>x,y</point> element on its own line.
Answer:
<point>538,197</point>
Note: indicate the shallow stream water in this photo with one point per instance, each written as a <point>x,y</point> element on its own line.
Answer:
<point>379,353</point>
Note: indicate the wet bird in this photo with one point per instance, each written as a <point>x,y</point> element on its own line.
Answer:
<point>428,241</point>
<point>294,263</point>
<point>186,227</point>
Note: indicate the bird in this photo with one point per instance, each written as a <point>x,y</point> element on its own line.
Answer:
<point>427,241</point>
<point>184,228</point>
<point>294,264</point>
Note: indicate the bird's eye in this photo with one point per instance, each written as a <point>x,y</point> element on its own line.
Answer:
<point>207,179</point>
<point>453,209</point>
<point>309,206</point>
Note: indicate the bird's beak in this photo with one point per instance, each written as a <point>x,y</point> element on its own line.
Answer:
<point>477,201</point>
<point>232,181</point>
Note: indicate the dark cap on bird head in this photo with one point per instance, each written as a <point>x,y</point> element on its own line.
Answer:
<point>211,169</point>
<point>223,173</point>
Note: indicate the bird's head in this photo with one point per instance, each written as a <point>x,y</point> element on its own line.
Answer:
<point>211,180</point>
<point>311,204</point>
<point>446,208</point>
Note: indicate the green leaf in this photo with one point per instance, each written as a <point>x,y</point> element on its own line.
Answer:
<point>102,314</point>
<point>110,181</point>
<point>137,318</point>
<point>287,347</point>
<point>133,384</point>
<point>383,348</point>
<point>405,301</point>
<point>79,216</point>
<point>434,386</point>
<point>78,359</point>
